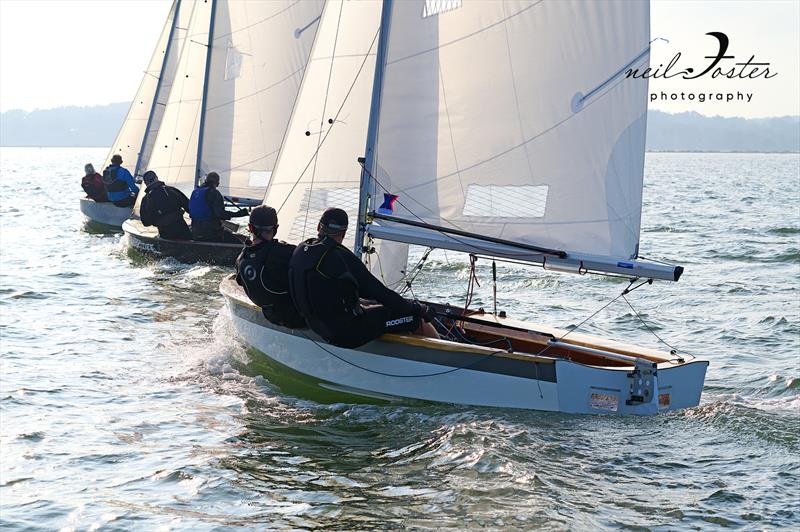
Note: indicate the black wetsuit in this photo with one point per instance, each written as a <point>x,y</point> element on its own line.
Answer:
<point>327,281</point>
<point>263,271</point>
<point>163,206</point>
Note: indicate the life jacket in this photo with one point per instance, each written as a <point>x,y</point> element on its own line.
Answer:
<point>199,209</point>
<point>112,182</point>
<point>263,272</point>
<point>319,294</point>
<point>159,207</point>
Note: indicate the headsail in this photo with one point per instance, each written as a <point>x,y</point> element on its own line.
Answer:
<point>143,115</point>
<point>514,120</point>
<point>259,51</point>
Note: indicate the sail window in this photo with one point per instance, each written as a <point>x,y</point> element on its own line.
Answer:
<point>233,63</point>
<point>259,178</point>
<point>506,201</point>
<point>435,7</point>
<point>315,201</point>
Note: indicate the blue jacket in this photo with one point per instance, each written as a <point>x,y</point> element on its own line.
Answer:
<point>124,175</point>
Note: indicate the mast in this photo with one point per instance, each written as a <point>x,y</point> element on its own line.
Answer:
<point>372,130</point>
<point>175,13</point>
<point>205,95</point>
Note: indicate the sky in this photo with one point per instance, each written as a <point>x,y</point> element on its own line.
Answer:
<point>91,52</point>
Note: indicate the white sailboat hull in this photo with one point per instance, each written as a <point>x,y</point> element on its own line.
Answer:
<point>105,213</point>
<point>431,370</point>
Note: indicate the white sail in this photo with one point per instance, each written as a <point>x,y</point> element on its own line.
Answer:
<point>174,154</point>
<point>514,120</point>
<point>258,55</point>
<point>128,143</point>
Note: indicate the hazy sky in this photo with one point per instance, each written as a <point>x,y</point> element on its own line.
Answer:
<point>90,52</point>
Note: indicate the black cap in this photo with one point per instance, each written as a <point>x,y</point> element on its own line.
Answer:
<point>212,176</point>
<point>116,159</point>
<point>263,217</point>
<point>333,221</point>
<point>149,177</point>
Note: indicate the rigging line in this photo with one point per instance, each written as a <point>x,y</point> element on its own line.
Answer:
<point>467,36</point>
<point>436,374</point>
<point>256,23</point>
<point>259,91</point>
<point>322,118</point>
<point>674,350</point>
<point>336,116</point>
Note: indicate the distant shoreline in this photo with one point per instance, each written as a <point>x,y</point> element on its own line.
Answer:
<point>646,151</point>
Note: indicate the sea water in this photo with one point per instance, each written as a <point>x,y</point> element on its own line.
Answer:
<point>126,401</point>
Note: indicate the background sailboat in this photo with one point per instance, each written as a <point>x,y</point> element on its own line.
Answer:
<point>136,138</point>
<point>499,129</point>
<point>236,84</point>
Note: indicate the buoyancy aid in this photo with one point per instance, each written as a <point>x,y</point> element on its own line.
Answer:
<point>112,182</point>
<point>263,272</point>
<point>199,209</point>
<point>321,291</point>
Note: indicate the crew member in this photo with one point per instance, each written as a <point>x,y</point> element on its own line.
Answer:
<point>163,206</point>
<point>207,209</point>
<point>262,270</point>
<point>121,189</point>
<point>327,282</point>
<point>92,184</point>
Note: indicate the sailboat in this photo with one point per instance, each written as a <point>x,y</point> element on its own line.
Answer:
<point>135,139</point>
<point>501,130</point>
<point>237,79</point>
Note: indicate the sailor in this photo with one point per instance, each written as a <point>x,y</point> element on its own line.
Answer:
<point>327,282</point>
<point>92,184</point>
<point>207,209</point>
<point>163,206</point>
<point>121,189</point>
<point>262,269</point>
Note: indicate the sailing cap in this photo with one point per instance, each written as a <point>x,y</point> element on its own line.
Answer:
<point>333,221</point>
<point>149,177</point>
<point>116,159</point>
<point>263,217</point>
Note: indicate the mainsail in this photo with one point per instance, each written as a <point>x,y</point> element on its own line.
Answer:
<point>133,142</point>
<point>258,54</point>
<point>513,123</point>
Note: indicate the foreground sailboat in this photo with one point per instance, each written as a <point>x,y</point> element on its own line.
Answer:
<point>237,80</point>
<point>505,130</point>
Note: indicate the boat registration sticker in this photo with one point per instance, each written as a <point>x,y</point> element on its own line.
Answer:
<point>604,401</point>
<point>663,400</point>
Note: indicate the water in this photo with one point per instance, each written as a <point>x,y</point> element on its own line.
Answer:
<point>126,402</point>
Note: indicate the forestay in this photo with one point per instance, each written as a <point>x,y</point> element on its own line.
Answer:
<point>175,149</point>
<point>129,141</point>
<point>259,51</point>
<point>514,120</point>
<point>317,167</point>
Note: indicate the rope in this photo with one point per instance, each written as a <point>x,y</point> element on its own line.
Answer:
<point>673,350</point>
